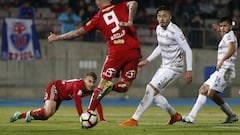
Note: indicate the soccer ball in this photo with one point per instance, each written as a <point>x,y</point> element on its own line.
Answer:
<point>88,119</point>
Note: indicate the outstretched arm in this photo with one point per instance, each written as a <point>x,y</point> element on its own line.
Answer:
<point>156,52</point>
<point>72,34</point>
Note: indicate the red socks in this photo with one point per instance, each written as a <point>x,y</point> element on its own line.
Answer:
<point>94,101</point>
<point>39,114</point>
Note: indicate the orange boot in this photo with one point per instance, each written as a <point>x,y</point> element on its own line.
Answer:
<point>174,118</point>
<point>129,122</point>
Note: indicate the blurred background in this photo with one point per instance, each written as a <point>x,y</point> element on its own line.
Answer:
<point>26,79</point>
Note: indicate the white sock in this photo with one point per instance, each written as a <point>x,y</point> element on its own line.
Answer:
<point>162,102</point>
<point>201,100</point>
<point>145,103</point>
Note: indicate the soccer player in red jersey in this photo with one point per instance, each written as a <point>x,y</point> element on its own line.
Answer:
<point>58,91</point>
<point>116,25</point>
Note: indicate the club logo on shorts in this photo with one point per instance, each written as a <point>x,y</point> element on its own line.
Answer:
<point>110,72</point>
<point>130,74</point>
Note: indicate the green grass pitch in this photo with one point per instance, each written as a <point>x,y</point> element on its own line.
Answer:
<point>66,122</point>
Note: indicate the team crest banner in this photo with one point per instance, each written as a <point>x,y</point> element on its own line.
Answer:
<point>19,40</point>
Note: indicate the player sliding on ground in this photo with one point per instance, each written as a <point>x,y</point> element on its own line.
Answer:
<point>171,45</point>
<point>58,91</point>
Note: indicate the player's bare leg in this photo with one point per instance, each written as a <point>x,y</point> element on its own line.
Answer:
<point>42,113</point>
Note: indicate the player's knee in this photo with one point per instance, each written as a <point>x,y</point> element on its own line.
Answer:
<point>49,113</point>
<point>150,90</point>
<point>121,87</point>
<point>153,88</point>
<point>212,94</point>
<point>204,90</point>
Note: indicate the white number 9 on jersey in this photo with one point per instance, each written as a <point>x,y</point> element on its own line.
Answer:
<point>110,18</point>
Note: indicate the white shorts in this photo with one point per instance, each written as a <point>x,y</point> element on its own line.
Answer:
<point>219,80</point>
<point>163,77</point>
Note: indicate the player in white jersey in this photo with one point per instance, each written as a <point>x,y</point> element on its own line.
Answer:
<point>171,45</point>
<point>222,77</point>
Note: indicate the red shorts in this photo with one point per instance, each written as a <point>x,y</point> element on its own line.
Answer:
<point>125,64</point>
<point>51,92</point>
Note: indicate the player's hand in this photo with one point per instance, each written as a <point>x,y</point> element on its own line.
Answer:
<point>188,77</point>
<point>52,37</point>
<point>216,28</point>
<point>125,24</point>
<point>219,65</point>
<point>142,63</point>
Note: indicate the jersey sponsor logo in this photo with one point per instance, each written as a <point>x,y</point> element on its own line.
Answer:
<point>131,74</point>
<point>110,72</point>
<point>118,35</point>
<point>119,41</point>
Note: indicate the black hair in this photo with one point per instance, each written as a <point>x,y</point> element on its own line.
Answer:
<point>163,7</point>
<point>227,19</point>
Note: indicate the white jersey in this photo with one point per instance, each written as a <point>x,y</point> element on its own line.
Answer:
<point>171,45</point>
<point>223,49</point>
<point>226,73</point>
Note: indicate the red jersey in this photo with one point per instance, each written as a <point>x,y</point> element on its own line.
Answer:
<point>68,89</point>
<point>119,39</point>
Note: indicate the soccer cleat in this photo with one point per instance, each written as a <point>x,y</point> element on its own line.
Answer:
<point>231,119</point>
<point>175,118</point>
<point>15,117</point>
<point>106,89</point>
<point>28,117</point>
<point>186,119</point>
<point>129,123</point>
